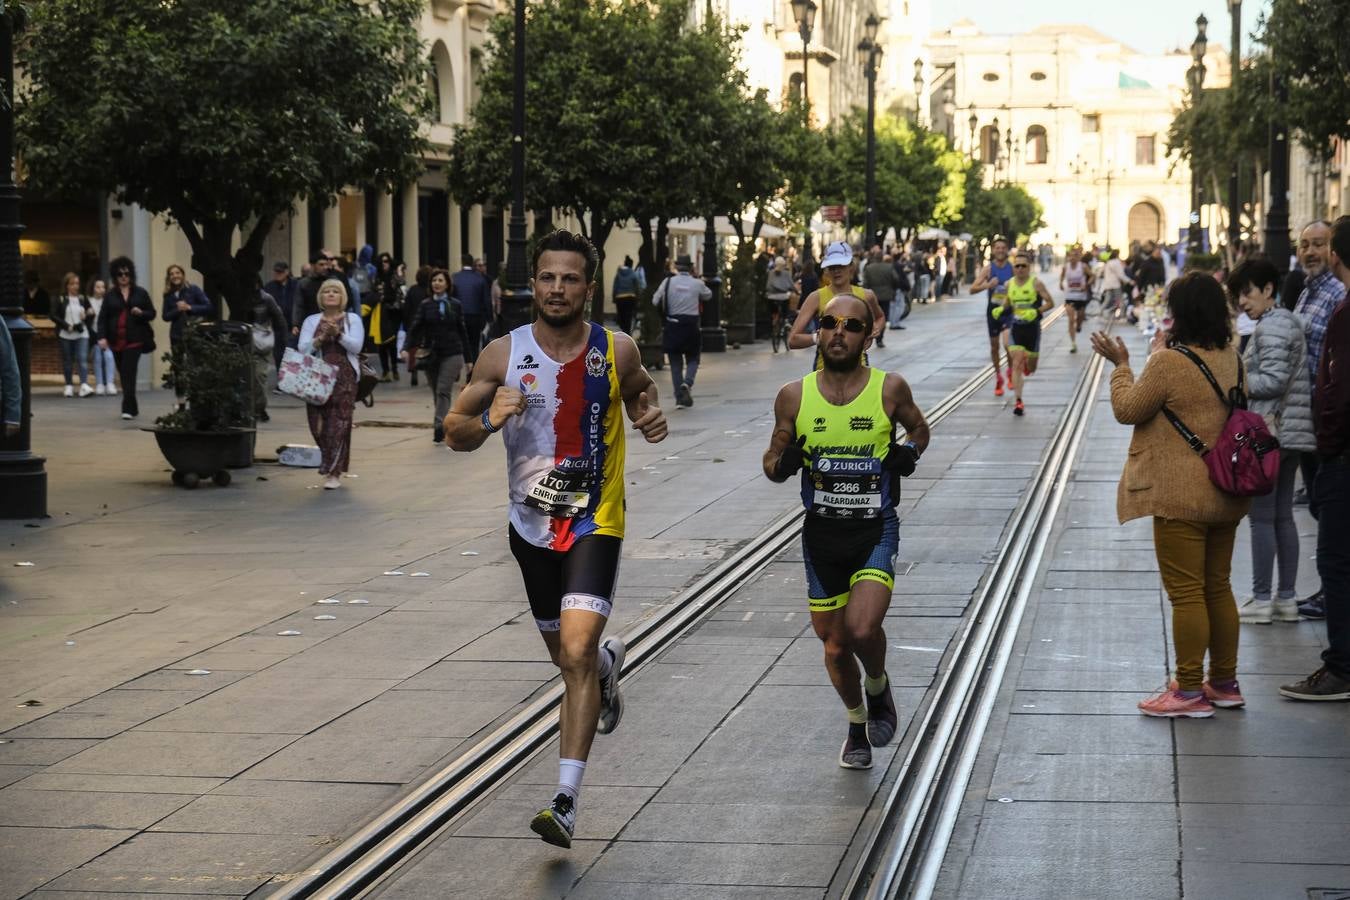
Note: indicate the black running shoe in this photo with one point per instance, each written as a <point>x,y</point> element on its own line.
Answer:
<point>554,823</point>
<point>684,396</point>
<point>856,752</point>
<point>1314,608</point>
<point>881,717</point>
<point>1320,685</point>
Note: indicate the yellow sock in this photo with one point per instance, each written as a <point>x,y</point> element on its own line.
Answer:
<point>874,686</point>
<point>858,715</point>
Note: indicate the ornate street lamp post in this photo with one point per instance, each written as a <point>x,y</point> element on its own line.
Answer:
<point>993,146</point>
<point>1276,238</point>
<point>714,336</point>
<point>1234,206</point>
<point>918,90</point>
<point>872,52</point>
<point>804,13</point>
<point>1197,73</point>
<point>973,122</point>
<point>517,298</point>
<point>23,478</point>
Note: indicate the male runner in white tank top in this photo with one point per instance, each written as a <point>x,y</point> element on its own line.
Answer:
<point>557,390</point>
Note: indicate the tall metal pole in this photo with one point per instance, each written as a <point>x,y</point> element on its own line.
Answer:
<point>23,478</point>
<point>1234,205</point>
<point>1277,213</point>
<point>871,219</point>
<point>713,334</point>
<point>1193,227</point>
<point>517,298</point>
<point>806,122</point>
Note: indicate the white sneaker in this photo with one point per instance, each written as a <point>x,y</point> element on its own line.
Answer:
<point>85,390</point>
<point>128,416</point>
<point>1253,612</point>
<point>1285,610</point>
<point>101,390</point>
<point>331,483</point>
<point>112,390</point>
<point>70,391</point>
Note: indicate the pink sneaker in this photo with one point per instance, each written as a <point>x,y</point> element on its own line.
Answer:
<point>1170,704</point>
<point>1224,698</point>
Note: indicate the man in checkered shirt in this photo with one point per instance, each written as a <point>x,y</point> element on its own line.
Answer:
<point>1322,292</point>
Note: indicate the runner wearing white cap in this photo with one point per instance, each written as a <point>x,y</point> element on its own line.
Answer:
<point>838,266</point>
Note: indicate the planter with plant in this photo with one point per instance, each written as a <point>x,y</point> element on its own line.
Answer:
<point>210,431</point>
<point>649,329</point>
<point>738,298</point>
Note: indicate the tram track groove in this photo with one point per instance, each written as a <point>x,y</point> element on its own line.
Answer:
<point>383,842</point>
<point>903,854</point>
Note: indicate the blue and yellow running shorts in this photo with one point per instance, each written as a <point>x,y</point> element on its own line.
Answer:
<point>839,554</point>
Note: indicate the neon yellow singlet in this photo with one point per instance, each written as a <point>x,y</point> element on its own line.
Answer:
<point>845,446</point>
<point>1026,303</point>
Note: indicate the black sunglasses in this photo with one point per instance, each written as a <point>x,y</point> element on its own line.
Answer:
<point>848,323</point>
<point>120,272</point>
<point>1021,265</point>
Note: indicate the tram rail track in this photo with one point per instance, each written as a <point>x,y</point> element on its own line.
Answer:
<point>382,843</point>
<point>903,854</point>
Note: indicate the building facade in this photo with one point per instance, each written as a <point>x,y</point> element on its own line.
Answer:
<point>1077,118</point>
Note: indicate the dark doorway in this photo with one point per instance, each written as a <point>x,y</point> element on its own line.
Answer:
<point>315,227</point>
<point>494,246</point>
<point>433,216</point>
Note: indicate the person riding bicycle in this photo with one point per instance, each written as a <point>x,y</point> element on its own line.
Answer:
<point>779,290</point>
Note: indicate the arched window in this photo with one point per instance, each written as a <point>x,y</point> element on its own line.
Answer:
<point>1038,145</point>
<point>989,148</point>
<point>441,84</point>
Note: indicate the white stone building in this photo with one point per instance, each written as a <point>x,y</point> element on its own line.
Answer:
<point>1077,118</point>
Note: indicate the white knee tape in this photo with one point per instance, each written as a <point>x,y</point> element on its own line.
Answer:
<point>588,602</point>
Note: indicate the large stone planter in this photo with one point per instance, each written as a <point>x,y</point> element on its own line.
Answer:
<point>740,334</point>
<point>195,455</point>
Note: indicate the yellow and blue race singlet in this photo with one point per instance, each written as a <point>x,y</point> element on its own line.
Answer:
<point>565,453</point>
<point>845,446</point>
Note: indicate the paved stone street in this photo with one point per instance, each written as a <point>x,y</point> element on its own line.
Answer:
<point>135,776</point>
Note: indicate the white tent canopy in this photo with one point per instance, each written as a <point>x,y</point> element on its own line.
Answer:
<point>721,225</point>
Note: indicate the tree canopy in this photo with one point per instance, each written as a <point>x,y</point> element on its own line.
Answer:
<point>220,113</point>
<point>1308,45</point>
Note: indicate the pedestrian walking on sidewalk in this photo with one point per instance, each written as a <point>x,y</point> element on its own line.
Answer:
<point>879,278</point>
<point>1331,492</point>
<point>1194,523</point>
<point>338,336</point>
<point>838,426</point>
<point>105,369</point>
<point>269,328</point>
<point>124,327</point>
<point>558,390</point>
<point>1278,389</point>
<point>74,317</point>
<point>680,298</point>
<point>436,342</point>
<point>627,287</point>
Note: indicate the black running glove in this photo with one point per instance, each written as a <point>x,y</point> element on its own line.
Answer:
<point>794,456</point>
<point>901,459</point>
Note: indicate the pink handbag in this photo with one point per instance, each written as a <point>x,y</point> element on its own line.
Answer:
<point>1245,458</point>
<point>306,376</point>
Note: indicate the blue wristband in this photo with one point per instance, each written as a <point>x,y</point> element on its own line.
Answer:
<point>487,424</point>
<point>911,445</point>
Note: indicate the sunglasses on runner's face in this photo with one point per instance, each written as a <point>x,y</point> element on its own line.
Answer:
<point>1021,265</point>
<point>848,323</point>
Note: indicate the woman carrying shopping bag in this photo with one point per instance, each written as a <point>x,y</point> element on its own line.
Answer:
<point>337,337</point>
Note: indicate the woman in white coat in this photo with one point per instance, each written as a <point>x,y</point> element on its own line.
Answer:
<point>337,336</point>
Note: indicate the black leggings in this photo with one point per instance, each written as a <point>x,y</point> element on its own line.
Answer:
<point>128,361</point>
<point>389,357</point>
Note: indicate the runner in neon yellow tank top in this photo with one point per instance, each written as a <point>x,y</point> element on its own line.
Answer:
<point>1030,301</point>
<point>838,426</point>
<point>838,266</point>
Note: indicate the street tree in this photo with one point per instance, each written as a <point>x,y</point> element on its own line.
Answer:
<point>220,115</point>
<point>1005,209</point>
<point>619,123</point>
<point>1307,43</point>
<point>917,177</point>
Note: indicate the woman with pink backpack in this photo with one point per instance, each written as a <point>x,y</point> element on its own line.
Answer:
<point>1166,477</point>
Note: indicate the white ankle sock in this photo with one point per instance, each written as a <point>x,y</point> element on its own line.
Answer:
<point>569,776</point>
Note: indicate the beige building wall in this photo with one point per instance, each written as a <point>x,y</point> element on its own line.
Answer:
<point>1088,117</point>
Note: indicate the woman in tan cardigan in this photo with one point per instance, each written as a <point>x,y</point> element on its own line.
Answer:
<point>1194,523</point>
